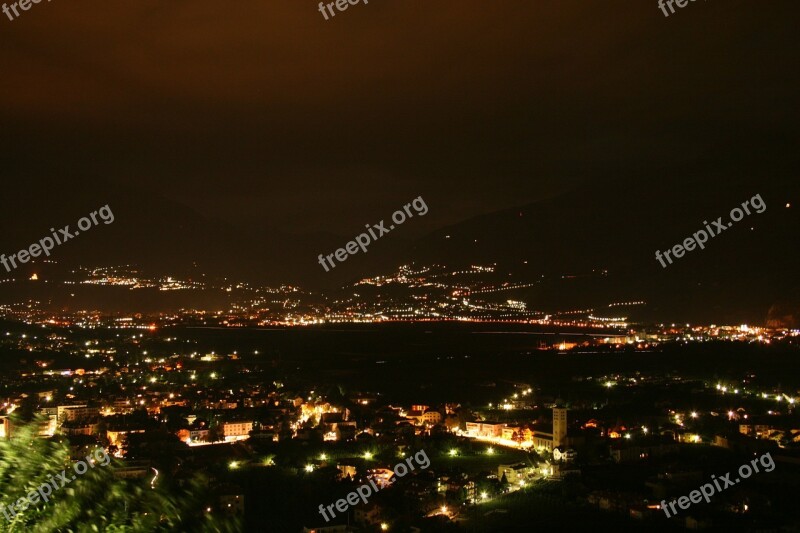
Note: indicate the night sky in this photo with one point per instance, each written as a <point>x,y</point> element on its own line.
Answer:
<point>264,118</point>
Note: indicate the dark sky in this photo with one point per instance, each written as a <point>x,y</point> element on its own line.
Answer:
<point>264,114</point>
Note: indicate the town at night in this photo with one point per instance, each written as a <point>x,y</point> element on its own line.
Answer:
<point>369,266</point>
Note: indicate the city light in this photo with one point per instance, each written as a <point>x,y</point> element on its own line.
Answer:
<point>367,455</point>
<point>323,457</point>
<point>233,465</point>
<point>453,452</point>
<point>309,468</point>
<point>490,451</point>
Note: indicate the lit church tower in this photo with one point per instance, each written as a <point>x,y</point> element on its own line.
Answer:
<point>559,426</point>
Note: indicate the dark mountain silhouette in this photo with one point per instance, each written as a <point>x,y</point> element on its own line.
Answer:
<point>584,249</point>
<point>603,242</point>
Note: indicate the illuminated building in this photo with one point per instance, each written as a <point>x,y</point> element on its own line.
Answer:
<point>237,429</point>
<point>516,473</point>
<point>428,417</point>
<point>549,441</point>
<point>559,426</point>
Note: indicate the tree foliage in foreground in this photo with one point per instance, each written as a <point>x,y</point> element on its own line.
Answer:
<point>97,500</point>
